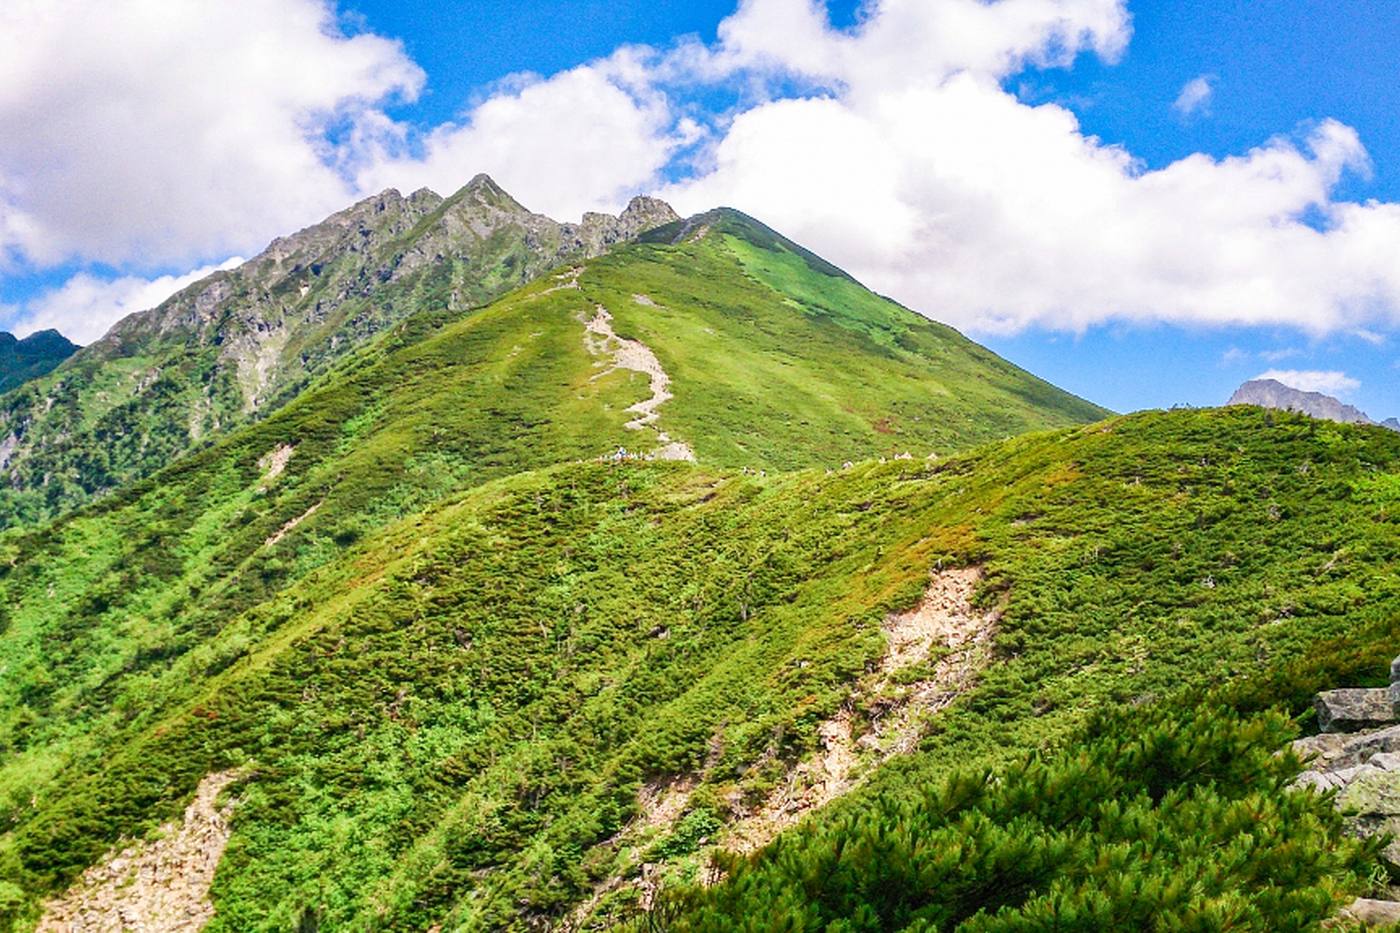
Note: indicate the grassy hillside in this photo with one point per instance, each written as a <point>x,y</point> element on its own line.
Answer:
<point>126,611</point>
<point>782,360</point>
<point>469,717</point>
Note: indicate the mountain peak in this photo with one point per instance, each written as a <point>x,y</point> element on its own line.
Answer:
<point>32,356</point>
<point>266,327</point>
<point>734,222</point>
<point>1270,393</point>
<point>651,209</point>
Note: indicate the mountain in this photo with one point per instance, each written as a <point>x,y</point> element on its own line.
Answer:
<point>540,701</point>
<point>30,358</point>
<point>692,562</point>
<point>1270,393</point>
<point>237,345</point>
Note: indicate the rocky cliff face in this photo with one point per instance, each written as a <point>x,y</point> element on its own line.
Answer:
<point>1270,393</point>
<point>238,343</point>
<point>32,357</point>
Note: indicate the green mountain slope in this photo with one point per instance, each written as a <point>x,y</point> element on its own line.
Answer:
<point>445,402</point>
<point>237,345</point>
<point>32,357</point>
<point>540,698</point>
<point>733,347</point>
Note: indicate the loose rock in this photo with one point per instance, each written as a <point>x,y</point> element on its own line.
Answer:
<point>1352,709</point>
<point>1372,912</point>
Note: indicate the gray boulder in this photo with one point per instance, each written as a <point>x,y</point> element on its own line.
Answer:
<point>1332,751</point>
<point>1352,709</point>
<point>1371,802</point>
<point>1372,912</point>
<point>1395,686</point>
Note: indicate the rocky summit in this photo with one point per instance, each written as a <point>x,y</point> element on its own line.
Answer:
<point>238,344</point>
<point>1270,393</point>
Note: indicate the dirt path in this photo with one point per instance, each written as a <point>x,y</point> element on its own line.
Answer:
<point>944,620</point>
<point>286,529</point>
<point>601,340</point>
<point>159,886</point>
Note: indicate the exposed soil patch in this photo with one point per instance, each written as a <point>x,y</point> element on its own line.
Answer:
<point>943,631</point>
<point>944,622</point>
<point>660,804</point>
<point>160,886</point>
<point>275,461</point>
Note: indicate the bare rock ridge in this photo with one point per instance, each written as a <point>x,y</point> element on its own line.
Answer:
<point>1357,754</point>
<point>1270,393</point>
<point>239,343</point>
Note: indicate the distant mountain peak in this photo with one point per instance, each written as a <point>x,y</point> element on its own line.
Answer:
<point>32,356</point>
<point>1270,393</point>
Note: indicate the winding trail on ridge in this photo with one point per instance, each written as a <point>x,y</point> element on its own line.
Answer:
<point>601,340</point>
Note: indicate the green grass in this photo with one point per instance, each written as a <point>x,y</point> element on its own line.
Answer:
<point>449,723</point>
<point>450,679</point>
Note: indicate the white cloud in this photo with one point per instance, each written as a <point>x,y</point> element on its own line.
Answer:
<point>150,133</point>
<point>1330,382</point>
<point>584,139</point>
<point>921,174</point>
<point>85,306</point>
<point>156,132</point>
<point>1195,96</point>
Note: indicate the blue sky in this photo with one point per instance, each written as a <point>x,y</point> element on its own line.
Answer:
<point>440,76</point>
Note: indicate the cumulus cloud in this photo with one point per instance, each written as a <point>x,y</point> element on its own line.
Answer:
<point>85,306</point>
<point>1195,96</point>
<point>892,147</point>
<point>915,168</point>
<point>584,139</point>
<point>1330,382</point>
<point>156,133</point>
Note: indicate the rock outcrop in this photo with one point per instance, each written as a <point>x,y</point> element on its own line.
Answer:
<point>1352,709</point>
<point>1357,755</point>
